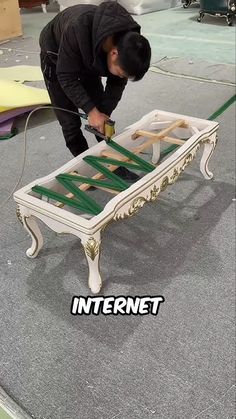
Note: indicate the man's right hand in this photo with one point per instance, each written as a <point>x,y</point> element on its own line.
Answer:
<point>97,120</point>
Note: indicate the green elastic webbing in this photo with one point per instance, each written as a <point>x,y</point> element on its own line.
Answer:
<point>116,180</point>
<point>148,167</point>
<point>223,108</point>
<point>215,115</point>
<point>116,162</point>
<point>63,199</point>
<point>80,195</point>
<point>92,182</point>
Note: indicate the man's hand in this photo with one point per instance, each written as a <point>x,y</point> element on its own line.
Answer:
<point>97,120</point>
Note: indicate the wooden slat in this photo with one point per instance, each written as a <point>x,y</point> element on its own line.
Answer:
<point>166,139</point>
<point>112,155</point>
<point>112,191</point>
<point>151,141</point>
<point>161,134</point>
<point>84,187</point>
<point>173,140</point>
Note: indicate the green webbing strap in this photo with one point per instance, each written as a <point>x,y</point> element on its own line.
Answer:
<point>223,108</point>
<point>64,199</point>
<point>86,201</point>
<point>115,162</point>
<point>144,165</point>
<point>92,182</point>
<point>116,180</point>
<point>215,115</point>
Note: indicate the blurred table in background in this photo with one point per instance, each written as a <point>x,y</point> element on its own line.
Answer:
<point>28,4</point>
<point>186,3</point>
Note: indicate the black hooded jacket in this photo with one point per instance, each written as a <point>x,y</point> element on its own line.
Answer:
<point>73,41</point>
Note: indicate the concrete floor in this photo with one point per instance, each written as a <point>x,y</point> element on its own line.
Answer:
<point>179,364</point>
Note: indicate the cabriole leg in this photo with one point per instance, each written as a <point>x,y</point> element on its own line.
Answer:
<point>201,16</point>
<point>32,228</point>
<point>92,248</point>
<point>209,146</point>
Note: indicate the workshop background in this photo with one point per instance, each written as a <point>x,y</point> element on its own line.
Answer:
<point>179,364</point>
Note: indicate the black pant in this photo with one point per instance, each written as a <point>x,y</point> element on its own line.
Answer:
<point>70,123</point>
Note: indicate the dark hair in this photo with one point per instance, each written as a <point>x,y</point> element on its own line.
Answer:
<point>134,53</point>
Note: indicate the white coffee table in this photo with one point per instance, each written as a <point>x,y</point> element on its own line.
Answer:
<point>152,131</point>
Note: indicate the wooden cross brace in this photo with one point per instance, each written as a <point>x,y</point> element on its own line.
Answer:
<point>153,138</point>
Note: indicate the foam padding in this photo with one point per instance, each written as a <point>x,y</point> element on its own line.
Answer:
<point>15,95</point>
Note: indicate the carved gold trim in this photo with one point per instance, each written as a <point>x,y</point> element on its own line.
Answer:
<point>139,202</point>
<point>173,178</point>
<point>187,161</point>
<point>164,183</point>
<point>210,140</point>
<point>18,214</point>
<point>154,194</point>
<point>106,225</point>
<point>92,248</point>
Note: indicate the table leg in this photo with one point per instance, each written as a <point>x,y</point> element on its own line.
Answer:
<point>209,146</point>
<point>44,7</point>
<point>32,228</point>
<point>92,248</point>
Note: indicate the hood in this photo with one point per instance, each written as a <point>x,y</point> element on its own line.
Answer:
<point>110,18</point>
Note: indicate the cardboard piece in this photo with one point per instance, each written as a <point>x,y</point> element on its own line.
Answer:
<point>10,20</point>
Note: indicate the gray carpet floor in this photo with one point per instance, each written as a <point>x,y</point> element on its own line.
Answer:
<point>177,365</point>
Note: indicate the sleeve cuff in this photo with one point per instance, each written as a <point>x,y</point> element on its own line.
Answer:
<point>88,107</point>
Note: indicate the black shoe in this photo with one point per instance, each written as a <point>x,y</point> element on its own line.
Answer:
<point>126,174</point>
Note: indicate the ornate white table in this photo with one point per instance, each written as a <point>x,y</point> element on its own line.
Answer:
<point>78,213</point>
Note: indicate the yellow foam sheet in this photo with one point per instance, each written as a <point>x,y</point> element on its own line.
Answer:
<point>21,73</point>
<point>16,95</point>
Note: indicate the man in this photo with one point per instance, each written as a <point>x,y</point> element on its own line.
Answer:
<point>79,46</point>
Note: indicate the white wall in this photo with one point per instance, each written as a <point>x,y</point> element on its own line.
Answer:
<point>137,7</point>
